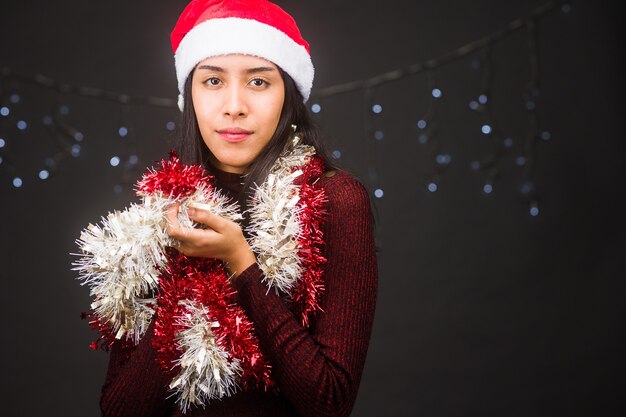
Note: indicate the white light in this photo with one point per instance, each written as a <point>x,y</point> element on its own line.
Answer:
<point>379,135</point>
<point>64,110</point>
<point>15,98</point>
<point>534,211</point>
<point>78,136</point>
<point>17,182</point>
<point>432,187</point>
<point>379,193</point>
<point>475,165</point>
<point>115,161</point>
<point>47,120</point>
<point>443,159</point>
<point>123,131</point>
<point>545,135</point>
<point>4,111</point>
<point>2,143</point>
<point>423,139</point>
<point>508,142</point>
<point>21,125</point>
<point>486,129</point>
<point>473,105</point>
<point>316,108</point>
<point>487,188</point>
<point>520,161</point>
<point>482,99</point>
<point>75,151</point>
<point>436,93</point>
<point>421,124</point>
<point>377,108</point>
<point>170,126</point>
<point>44,174</point>
<point>133,159</point>
<point>336,154</point>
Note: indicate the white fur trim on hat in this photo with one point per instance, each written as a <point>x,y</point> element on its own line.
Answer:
<point>234,35</point>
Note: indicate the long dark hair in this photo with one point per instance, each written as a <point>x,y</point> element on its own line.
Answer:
<point>192,149</point>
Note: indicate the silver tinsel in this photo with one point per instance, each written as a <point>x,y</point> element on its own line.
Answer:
<point>206,370</point>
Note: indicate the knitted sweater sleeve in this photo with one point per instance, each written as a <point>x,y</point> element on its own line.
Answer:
<point>135,386</point>
<point>319,369</point>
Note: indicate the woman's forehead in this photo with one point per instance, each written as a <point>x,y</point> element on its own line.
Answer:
<point>236,61</point>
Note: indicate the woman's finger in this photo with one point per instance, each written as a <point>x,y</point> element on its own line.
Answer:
<point>207,218</point>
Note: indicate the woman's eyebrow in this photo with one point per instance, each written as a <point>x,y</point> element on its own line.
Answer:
<point>254,70</point>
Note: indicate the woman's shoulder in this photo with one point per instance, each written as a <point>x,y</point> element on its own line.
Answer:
<point>343,189</point>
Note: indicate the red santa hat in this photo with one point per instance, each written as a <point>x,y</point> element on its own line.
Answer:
<point>209,28</point>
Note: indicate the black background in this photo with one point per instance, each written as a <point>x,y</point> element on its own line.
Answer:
<point>483,309</point>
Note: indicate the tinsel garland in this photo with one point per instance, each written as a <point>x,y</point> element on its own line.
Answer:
<point>204,340</point>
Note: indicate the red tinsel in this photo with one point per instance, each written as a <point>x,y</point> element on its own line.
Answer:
<point>205,281</point>
<point>311,209</point>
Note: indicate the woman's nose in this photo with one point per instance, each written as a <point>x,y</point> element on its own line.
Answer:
<point>235,102</point>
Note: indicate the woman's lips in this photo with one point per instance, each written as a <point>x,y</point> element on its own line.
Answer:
<point>234,134</point>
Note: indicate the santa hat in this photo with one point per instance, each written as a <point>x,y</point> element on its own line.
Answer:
<point>209,28</point>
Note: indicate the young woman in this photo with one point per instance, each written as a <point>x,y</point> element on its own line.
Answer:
<point>244,74</point>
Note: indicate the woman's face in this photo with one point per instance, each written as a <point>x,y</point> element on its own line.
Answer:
<point>238,100</point>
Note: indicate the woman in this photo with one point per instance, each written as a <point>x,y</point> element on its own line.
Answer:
<point>244,73</point>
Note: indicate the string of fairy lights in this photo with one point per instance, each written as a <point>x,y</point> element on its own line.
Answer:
<point>69,139</point>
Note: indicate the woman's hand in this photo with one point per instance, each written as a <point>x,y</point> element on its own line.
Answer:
<point>223,239</point>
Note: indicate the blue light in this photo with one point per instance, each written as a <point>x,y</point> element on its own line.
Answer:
<point>115,161</point>
<point>15,98</point>
<point>527,187</point>
<point>75,150</point>
<point>17,182</point>
<point>487,188</point>
<point>482,99</point>
<point>520,161</point>
<point>421,124</point>
<point>379,135</point>
<point>545,135</point>
<point>423,139</point>
<point>475,165</point>
<point>534,211</point>
<point>443,159</point>
<point>2,143</point>
<point>133,159</point>
<point>47,120</point>
<point>508,142</point>
<point>336,154</point>
<point>486,129</point>
<point>432,187</point>
<point>170,126</point>
<point>316,108</point>
<point>64,110</point>
<point>22,125</point>
<point>436,93</point>
<point>123,131</point>
<point>379,193</point>
<point>377,108</point>
<point>118,189</point>
<point>474,105</point>
<point>4,111</point>
<point>44,174</point>
<point>78,136</point>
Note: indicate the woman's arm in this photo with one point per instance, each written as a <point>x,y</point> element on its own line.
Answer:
<point>318,370</point>
<point>134,386</point>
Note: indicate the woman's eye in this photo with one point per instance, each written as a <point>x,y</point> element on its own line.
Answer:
<point>213,81</point>
<point>258,82</point>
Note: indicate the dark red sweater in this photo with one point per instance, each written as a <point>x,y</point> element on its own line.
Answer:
<point>317,370</point>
